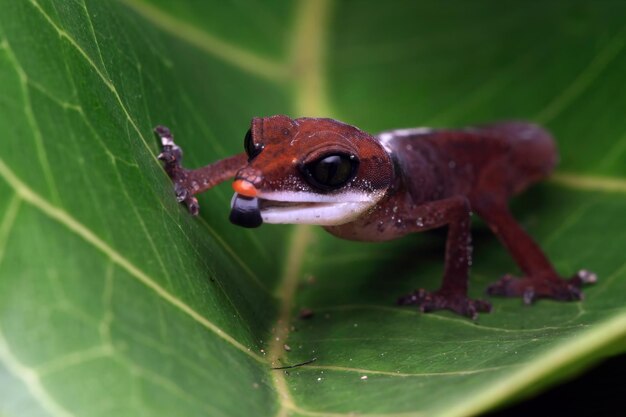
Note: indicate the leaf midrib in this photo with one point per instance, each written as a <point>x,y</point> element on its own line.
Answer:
<point>307,57</point>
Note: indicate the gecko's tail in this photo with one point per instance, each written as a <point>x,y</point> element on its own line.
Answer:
<point>533,152</point>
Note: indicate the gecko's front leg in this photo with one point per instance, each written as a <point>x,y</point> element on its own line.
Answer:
<point>188,183</point>
<point>452,295</point>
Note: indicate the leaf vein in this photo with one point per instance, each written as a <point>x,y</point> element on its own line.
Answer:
<point>104,326</point>
<point>31,380</point>
<point>397,310</point>
<point>74,359</point>
<point>93,34</point>
<point>581,346</point>
<point>234,55</point>
<point>588,182</point>
<point>30,116</point>
<point>410,374</point>
<point>108,83</point>
<point>81,230</point>
<point>7,223</point>
<point>164,383</point>
<point>235,257</point>
<point>62,103</point>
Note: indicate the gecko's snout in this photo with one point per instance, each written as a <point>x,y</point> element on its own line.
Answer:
<point>245,211</point>
<point>245,188</point>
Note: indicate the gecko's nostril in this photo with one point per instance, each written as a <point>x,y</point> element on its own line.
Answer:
<point>245,211</point>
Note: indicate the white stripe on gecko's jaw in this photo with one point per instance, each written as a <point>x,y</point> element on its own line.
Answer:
<point>308,197</point>
<point>323,214</point>
<point>314,209</point>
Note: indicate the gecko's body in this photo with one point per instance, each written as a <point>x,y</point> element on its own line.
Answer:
<point>363,187</point>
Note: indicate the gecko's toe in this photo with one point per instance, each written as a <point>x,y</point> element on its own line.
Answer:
<point>530,289</point>
<point>413,298</point>
<point>584,277</point>
<point>431,301</point>
<point>529,296</point>
<point>192,205</point>
<point>482,306</point>
<point>172,155</point>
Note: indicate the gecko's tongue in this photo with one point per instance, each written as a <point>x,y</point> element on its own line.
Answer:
<point>245,211</point>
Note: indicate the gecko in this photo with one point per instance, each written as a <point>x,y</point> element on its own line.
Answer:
<point>365,187</point>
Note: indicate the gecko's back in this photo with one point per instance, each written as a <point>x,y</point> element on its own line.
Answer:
<point>500,158</point>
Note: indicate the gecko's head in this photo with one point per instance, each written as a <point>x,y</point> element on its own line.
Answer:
<point>310,171</point>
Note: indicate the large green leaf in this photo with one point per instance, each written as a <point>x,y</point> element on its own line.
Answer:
<point>114,301</point>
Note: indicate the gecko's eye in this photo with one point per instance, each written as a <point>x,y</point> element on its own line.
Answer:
<point>251,148</point>
<point>331,171</point>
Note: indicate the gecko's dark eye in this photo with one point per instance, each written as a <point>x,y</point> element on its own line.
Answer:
<point>331,171</point>
<point>251,148</point>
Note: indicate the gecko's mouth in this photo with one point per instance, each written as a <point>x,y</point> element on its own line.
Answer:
<point>254,211</point>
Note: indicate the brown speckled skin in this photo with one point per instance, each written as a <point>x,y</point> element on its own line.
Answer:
<point>430,179</point>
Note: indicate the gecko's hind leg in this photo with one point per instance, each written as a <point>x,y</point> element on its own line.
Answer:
<point>540,280</point>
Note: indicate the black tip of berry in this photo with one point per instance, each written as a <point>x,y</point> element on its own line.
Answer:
<point>245,212</point>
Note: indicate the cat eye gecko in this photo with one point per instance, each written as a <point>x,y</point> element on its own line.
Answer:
<point>374,188</point>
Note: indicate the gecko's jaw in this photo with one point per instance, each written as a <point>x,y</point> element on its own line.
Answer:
<point>324,214</point>
<point>298,208</point>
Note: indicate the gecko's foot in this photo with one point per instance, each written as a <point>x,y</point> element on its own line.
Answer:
<point>530,289</point>
<point>431,301</point>
<point>172,155</point>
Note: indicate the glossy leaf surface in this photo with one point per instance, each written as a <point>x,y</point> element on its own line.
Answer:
<point>114,301</point>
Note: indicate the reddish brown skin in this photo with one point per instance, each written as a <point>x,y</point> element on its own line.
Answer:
<point>287,143</point>
<point>430,179</point>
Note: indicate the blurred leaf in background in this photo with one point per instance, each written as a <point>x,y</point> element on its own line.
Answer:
<point>114,301</point>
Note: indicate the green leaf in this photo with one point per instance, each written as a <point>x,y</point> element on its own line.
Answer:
<point>114,301</point>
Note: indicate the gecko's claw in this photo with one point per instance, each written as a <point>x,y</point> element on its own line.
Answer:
<point>181,192</point>
<point>427,301</point>
<point>584,277</point>
<point>166,157</point>
<point>529,297</point>
<point>531,289</point>
<point>193,206</point>
<point>172,155</point>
